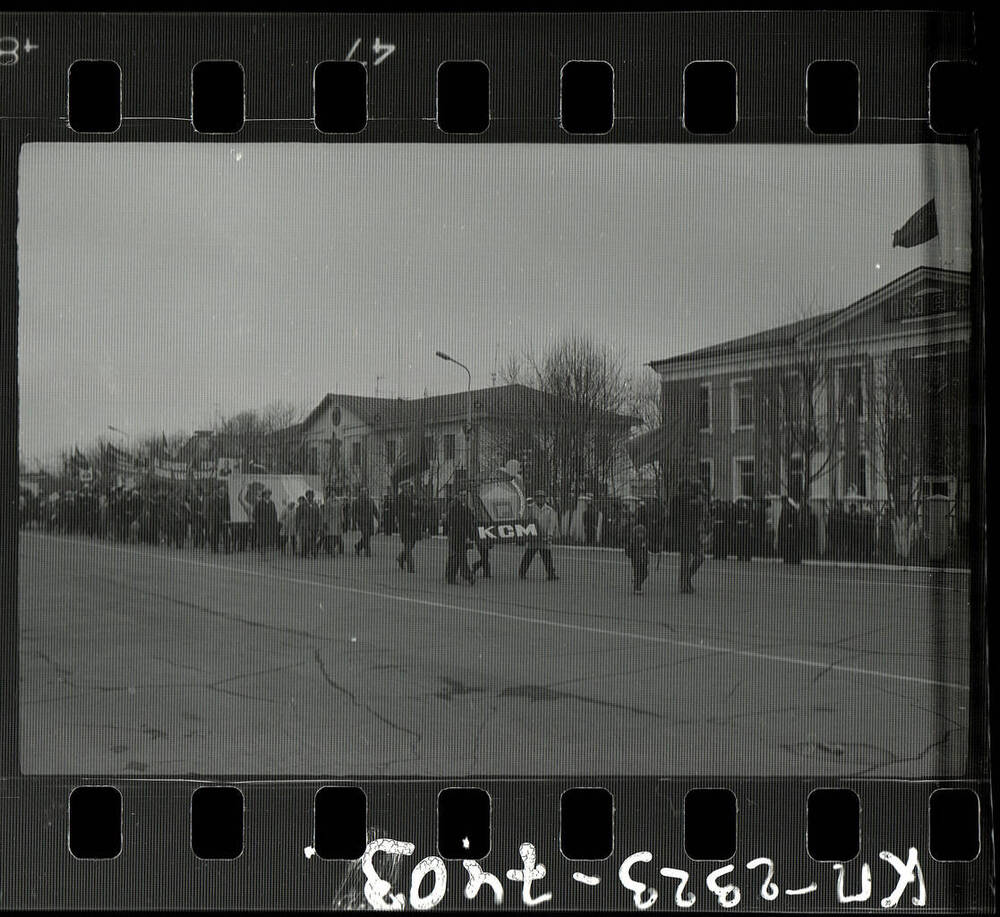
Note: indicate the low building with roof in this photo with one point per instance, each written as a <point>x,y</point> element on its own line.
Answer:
<point>356,439</point>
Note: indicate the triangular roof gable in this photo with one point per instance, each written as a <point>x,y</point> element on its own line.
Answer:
<point>876,310</point>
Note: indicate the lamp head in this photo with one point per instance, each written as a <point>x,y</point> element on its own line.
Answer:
<point>442,355</point>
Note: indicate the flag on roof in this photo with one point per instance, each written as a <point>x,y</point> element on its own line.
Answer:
<point>919,228</point>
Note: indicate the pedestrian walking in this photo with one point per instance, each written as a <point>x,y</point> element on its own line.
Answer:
<point>365,517</point>
<point>461,524</point>
<point>689,520</point>
<point>637,551</point>
<point>408,517</point>
<point>546,523</point>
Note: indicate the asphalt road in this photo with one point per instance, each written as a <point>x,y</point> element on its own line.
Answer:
<point>156,661</point>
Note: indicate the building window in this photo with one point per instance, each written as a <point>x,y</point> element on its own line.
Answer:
<point>356,454</point>
<point>861,476</point>
<point>796,478</point>
<point>744,475</point>
<point>937,487</point>
<point>390,451</point>
<point>449,447</point>
<point>705,407</point>
<point>742,397</point>
<point>705,476</point>
<point>430,447</point>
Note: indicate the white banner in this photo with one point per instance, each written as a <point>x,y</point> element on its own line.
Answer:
<point>245,491</point>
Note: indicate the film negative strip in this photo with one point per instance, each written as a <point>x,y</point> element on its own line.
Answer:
<point>301,309</point>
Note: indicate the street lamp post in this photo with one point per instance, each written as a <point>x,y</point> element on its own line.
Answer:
<point>469,432</point>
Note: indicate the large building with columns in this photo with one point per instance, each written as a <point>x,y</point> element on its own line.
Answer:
<point>868,402</point>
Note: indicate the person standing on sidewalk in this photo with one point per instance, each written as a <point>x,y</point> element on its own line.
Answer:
<point>638,553</point>
<point>546,522</point>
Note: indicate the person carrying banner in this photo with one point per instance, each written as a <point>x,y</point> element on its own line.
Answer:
<point>461,525</point>
<point>546,522</point>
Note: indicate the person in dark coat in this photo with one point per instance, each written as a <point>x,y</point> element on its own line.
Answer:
<point>388,521</point>
<point>637,552</point>
<point>308,520</point>
<point>408,515</point>
<point>689,520</point>
<point>217,519</point>
<point>789,535</point>
<point>365,515</point>
<point>461,526</point>
<point>266,520</point>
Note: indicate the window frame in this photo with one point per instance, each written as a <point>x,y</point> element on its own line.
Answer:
<point>738,475</point>
<point>734,405</point>
<point>701,387</point>
<point>711,475</point>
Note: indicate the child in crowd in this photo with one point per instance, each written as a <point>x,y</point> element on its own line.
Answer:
<point>637,551</point>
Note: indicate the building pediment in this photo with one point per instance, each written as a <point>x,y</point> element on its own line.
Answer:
<point>926,298</point>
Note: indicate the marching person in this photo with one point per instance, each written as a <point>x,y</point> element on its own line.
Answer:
<point>638,553</point>
<point>461,525</point>
<point>690,517</point>
<point>546,525</point>
<point>408,517</point>
<point>365,515</point>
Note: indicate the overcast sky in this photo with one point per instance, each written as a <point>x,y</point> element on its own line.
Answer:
<point>158,282</point>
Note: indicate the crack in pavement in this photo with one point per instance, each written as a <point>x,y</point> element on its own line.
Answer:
<point>416,737</point>
<point>215,685</point>
<point>229,617</point>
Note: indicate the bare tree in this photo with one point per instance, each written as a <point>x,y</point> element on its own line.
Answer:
<point>576,432</point>
<point>802,408</point>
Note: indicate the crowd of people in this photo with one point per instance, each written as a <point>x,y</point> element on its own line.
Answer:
<point>200,516</point>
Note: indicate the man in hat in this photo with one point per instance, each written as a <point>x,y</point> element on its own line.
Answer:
<point>546,522</point>
<point>408,516</point>
<point>461,525</point>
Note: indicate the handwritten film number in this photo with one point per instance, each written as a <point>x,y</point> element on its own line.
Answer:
<point>11,48</point>
<point>380,49</point>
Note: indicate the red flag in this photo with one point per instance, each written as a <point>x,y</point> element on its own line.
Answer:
<point>412,458</point>
<point>919,228</point>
